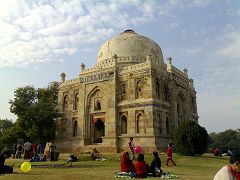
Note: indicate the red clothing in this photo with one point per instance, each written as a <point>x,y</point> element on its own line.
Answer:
<point>169,152</point>
<point>141,169</point>
<point>169,156</point>
<point>236,175</point>
<point>34,147</point>
<point>126,164</point>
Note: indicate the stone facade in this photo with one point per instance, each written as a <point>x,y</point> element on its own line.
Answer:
<point>130,92</point>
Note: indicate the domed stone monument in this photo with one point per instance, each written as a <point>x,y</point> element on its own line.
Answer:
<point>130,92</point>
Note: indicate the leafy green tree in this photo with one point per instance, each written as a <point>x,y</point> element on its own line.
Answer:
<point>228,139</point>
<point>190,138</point>
<point>36,112</point>
<point>5,124</point>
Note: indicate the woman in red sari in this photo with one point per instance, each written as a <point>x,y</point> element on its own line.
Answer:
<point>126,163</point>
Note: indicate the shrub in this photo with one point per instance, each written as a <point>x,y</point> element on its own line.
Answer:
<point>191,139</point>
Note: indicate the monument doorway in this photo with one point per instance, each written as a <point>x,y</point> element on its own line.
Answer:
<point>98,128</point>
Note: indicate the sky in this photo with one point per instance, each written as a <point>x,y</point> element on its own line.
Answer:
<point>40,39</point>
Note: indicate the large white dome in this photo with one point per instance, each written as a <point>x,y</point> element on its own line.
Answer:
<point>130,44</point>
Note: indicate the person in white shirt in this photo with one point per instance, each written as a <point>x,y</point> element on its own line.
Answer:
<point>230,171</point>
<point>27,148</point>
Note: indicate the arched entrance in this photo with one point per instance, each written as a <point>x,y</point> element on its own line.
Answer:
<point>97,127</point>
<point>95,124</point>
<point>98,130</point>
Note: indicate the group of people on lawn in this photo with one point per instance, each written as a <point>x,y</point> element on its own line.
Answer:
<point>31,151</point>
<point>27,149</point>
<point>141,169</point>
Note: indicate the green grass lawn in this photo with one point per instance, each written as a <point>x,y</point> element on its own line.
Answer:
<point>197,168</point>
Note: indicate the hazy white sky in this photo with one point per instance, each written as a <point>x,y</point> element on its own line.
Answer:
<point>40,39</point>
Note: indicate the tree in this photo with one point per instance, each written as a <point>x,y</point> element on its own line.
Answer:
<point>5,124</point>
<point>36,111</point>
<point>190,138</point>
<point>228,139</point>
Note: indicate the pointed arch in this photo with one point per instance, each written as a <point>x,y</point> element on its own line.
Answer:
<point>123,91</point>
<point>63,127</point>
<point>76,100</point>
<point>124,124</point>
<point>139,123</point>
<point>181,107</point>
<point>65,102</point>
<point>75,124</point>
<point>95,99</point>
<point>139,89</point>
<point>166,93</point>
<point>98,106</point>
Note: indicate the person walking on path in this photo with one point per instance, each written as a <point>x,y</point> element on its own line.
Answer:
<point>169,155</point>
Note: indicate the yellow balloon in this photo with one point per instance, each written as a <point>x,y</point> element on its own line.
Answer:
<point>26,167</point>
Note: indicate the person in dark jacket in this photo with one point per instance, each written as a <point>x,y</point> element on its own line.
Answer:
<point>4,168</point>
<point>155,166</point>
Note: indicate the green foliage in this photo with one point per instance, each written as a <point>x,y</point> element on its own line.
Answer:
<point>228,139</point>
<point>191,139</point>
<point>5,124</point>
<point>36,111</point>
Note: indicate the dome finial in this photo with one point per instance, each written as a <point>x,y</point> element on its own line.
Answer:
<point>185,71</point>
<point>129,31</point>
<point>82,66</point>
<point>63,75</point>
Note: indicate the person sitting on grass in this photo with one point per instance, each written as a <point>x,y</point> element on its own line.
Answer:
<point>4,169</point>
<point>155,166</point>
<point>72,158</point>
<point>126,163</point>
<point>230,171</point>
<point>141,167</point>
<point>96,155</point>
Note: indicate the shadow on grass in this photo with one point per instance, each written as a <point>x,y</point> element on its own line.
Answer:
<point>64,165</point>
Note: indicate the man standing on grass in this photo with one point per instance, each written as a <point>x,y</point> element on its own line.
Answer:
<point>131,148</point>
<point>52,149</point>
<point>27,149</point>
<point>230,171</point>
